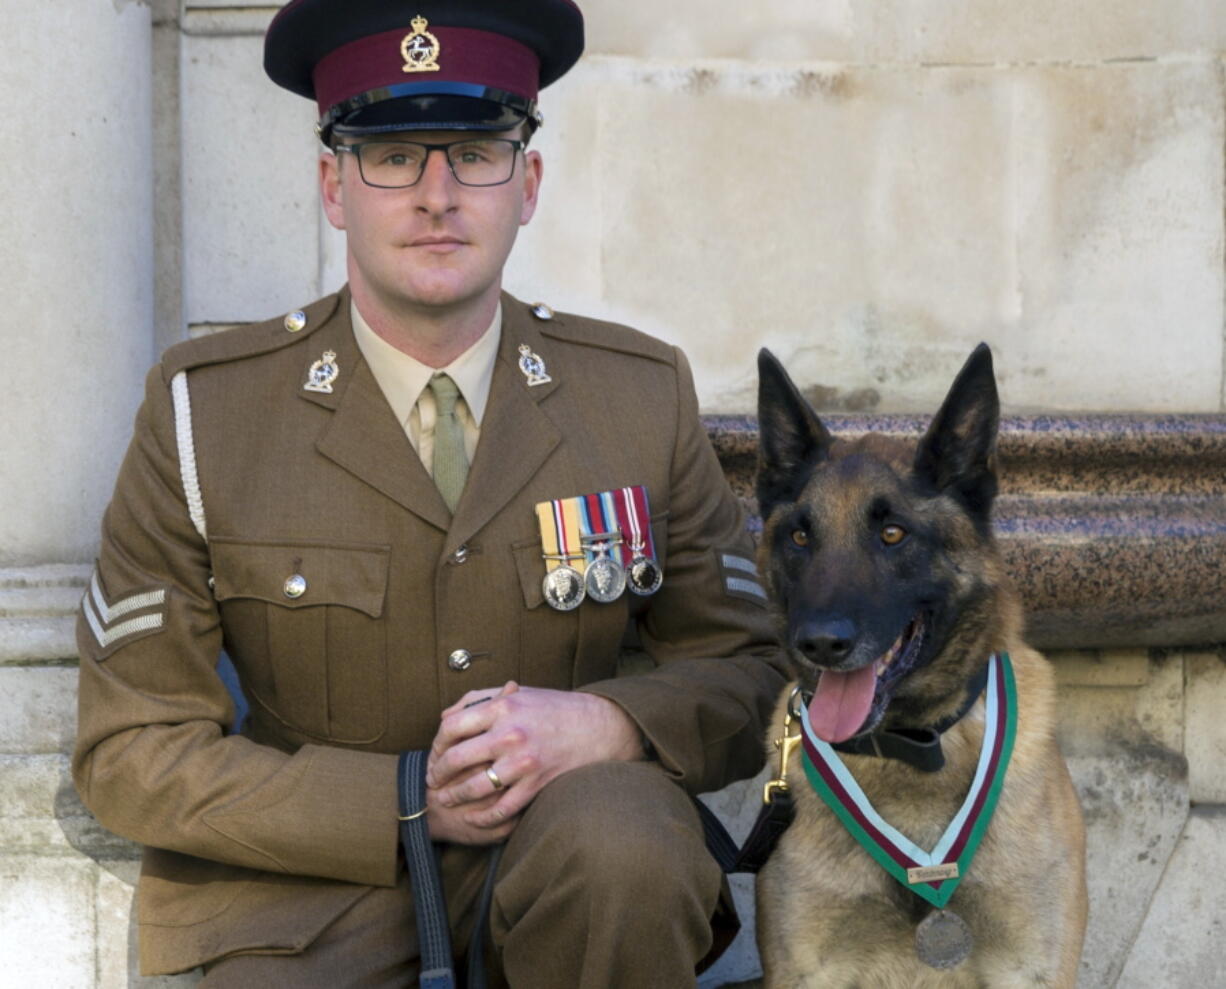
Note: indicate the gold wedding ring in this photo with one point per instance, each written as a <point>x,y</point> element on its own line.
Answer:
<point>493,777</point>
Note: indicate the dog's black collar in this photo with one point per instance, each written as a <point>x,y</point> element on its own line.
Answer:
<point>918,747</point>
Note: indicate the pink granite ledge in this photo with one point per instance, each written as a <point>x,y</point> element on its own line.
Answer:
<point>1113,526</point>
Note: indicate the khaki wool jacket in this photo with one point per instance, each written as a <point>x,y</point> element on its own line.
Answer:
<point>238,478</point>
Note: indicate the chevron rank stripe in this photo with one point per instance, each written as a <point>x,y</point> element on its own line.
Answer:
<point>109,621</point>
<point>931,875</point>
<point>741,577</point>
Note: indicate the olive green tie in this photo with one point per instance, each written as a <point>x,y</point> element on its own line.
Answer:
<point>450,458</point>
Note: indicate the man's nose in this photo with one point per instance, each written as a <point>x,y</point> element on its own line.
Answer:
<point>437,185</point>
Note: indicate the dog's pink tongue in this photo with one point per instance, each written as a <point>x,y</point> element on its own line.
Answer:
<point>841,702</point>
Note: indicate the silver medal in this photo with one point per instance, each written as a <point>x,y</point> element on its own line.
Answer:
<point>605,579</point>
<point>644,576</point>
<point>943,940</point>
<point>563,588</point>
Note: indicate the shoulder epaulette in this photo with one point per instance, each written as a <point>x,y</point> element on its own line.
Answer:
<point>588,332</point>
<point>249,341</point>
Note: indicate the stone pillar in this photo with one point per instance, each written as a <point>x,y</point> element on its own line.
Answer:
<point>76,337</point>
<point>77,256</point>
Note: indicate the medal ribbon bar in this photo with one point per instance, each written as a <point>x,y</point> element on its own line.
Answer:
<point>605,579</point>
<point>643,574</point>
<point>634,515</point>
<point>560,532</point>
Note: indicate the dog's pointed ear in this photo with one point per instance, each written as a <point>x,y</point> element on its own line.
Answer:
<point>791,438</point>
<point>958,453</point>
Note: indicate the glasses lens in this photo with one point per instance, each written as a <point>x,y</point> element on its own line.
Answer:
<point>391,164</point>
<point>487,161</point>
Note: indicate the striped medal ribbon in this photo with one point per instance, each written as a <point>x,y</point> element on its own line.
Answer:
<point>931,875</point>
<point>563,586</point>
<point>604,577</point>
<point>643,573</point>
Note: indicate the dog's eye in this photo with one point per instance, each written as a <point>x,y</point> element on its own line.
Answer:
<point>800,537</point>
<point>892,535</point>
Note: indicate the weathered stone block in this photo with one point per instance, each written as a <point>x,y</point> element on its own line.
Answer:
<point>37,613</point>
<point>41,814</point>
<point>249,188</point>
<point>28,788</point>
<point>1123,747</point>
<point>808,208</point>
<point>1091,668</point>
<point>47,921</point>
<point>986,31</point>
<point>1205,728</point>
<point>1181,944</point>
<point>559,256</point>
<point>38,709</point>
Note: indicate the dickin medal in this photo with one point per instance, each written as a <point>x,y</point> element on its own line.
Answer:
<point>942,940</point>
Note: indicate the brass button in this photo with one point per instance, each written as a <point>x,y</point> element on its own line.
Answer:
<point>295,586</point>
<point>461,555</point>
<point>542,311</point>
<point>296,321</point>
<point>460,660</point>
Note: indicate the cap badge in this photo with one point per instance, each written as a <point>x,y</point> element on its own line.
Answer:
<point>420,49</point>
<point>323,372</point>
<point>533,367</point>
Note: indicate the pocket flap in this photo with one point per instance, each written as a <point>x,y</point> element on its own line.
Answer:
<point>301,575</point>
<point>531,567</point>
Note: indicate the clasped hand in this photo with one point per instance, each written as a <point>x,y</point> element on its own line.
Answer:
<point>495,750</point>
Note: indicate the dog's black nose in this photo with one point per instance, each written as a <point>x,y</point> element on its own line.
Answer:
<point>825,641</point>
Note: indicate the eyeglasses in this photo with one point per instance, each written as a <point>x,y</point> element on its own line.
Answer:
<point>400,164</point>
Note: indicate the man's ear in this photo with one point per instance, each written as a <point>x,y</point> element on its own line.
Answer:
<point>957,455</point>
<point>331,194</point>
<point>792,440</point>
<point>534,169</point>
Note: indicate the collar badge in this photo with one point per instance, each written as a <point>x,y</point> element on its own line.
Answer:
<point>533,367</point>
<point>323,372</point>
<point>420,49</point>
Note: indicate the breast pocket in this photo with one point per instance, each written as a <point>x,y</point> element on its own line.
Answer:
<point>304,625</point>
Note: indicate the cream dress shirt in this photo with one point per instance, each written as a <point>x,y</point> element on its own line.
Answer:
<point>404,382</point>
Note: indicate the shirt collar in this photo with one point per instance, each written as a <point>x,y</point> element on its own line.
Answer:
<point>403,378</point>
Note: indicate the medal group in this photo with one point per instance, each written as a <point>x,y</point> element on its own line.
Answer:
<point>596,546</point>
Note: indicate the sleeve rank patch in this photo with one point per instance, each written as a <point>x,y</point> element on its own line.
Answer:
<point>740,576</point>
<point>114,623</point>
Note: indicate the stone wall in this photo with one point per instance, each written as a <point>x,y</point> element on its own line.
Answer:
<point>867,188</point>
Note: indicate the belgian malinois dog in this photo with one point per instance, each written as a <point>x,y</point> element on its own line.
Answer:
<point>937,839</point>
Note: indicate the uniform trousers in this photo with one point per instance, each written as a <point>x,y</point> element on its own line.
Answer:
<point>605,883</point>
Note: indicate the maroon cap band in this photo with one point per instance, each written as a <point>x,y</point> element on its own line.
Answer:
<point>465,55</point>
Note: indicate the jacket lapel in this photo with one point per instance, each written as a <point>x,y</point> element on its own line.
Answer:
<point>363,435</point>
<point>517,436</point>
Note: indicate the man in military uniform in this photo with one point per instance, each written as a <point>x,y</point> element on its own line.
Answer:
<point>373,505</point>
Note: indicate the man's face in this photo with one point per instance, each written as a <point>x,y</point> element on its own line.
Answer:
<point>433,246</point>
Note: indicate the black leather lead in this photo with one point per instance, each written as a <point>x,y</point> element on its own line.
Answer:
<point>476,944</point>
<point>772,821</point>
<point>437,964</point>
